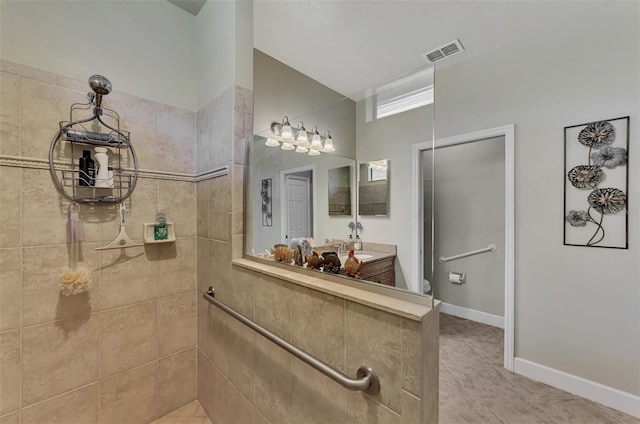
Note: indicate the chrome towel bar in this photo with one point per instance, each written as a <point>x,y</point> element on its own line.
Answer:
<point>489,248</point>
<point>366,379</point>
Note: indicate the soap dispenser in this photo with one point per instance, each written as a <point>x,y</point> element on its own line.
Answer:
<point>358,244</point>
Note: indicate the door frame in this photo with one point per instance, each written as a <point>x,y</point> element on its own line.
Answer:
<point>508,132</point>
<point>284,208</point>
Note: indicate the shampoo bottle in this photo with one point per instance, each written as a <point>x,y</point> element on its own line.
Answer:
<point>86,166</point>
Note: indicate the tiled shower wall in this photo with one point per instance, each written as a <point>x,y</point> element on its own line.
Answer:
<point>125,350</point>
<point>242,377</point>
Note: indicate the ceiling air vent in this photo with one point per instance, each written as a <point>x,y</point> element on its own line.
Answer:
<point>444,51</point>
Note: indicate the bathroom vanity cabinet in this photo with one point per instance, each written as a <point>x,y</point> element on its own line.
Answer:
<point>380,270</point>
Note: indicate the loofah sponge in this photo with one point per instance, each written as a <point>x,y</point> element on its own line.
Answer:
<point>74,282</point>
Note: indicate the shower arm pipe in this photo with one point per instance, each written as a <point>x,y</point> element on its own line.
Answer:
<point>489,248</point>
<point>366,379</point>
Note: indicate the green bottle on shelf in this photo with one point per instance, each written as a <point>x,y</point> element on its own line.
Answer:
<point>160,230</point>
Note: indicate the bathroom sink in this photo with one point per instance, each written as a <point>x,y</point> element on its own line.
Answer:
<point>358,256</point>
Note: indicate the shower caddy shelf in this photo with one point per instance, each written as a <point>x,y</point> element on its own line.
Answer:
<point>74,136</point>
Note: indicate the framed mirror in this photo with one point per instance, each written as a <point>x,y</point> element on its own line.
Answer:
<point>373,188</point>
<point>340,191</point>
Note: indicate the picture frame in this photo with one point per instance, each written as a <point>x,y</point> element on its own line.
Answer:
<point>267,203</point>
<point>596,184</point>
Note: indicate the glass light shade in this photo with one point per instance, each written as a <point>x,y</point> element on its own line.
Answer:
<point>302,139</point>
<point>314,152</point>
<point>287,146</point>
<point>301,149</point>
<point>316,142</point>
<point>286,131</point>
<point>328,145</point>
<point>272,142</point>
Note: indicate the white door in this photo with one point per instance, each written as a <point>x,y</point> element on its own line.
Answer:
<point>298,212</point>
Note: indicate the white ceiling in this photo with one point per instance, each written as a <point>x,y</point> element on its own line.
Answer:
<point>350,46</point>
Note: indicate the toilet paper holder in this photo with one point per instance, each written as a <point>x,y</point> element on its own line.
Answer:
<point>457,277</point>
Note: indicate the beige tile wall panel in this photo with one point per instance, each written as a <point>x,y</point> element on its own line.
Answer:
<point>242,357</point>
<point>411,356</point>
<point>317,326</point>
<point>204,134</point>
<point>128,276</point>
<point>58,357</point>
<point>220,260</point>
<point>238,292</point>
<point>273,306</point>
<point>176,323</point>
<point>10,207</point>
<point>176,381</point>
<point>176,147</point>
<point>42,300</point>
<point>203,266</point>
<point>273,381</point>
<point>315,398</point>
<point>43,106</point>
<point>240,410</point>
<point>10,288</point>
<point>212,391</point>
<point>430,366</point>
<point>142,122</point>
<point>202,208</point>
<point>44,212</point>
<point>128,337</point>
<point>362,409</point>
<point>411,410</point>
<point>220,225</point>
<point>12,418</point>
<point>179,199</point>
<point>77,406</point>
<point>10,362</point>
<point>220,194</point>
<point>374,339</point>
<point>9,114</point>
<point>176,266</point>
<point>213,334</point>
<point>130,397</point>
<point>221,152</point>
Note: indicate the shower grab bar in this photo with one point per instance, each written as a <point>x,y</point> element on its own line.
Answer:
<point>366,381</point>
<point>489,248</point>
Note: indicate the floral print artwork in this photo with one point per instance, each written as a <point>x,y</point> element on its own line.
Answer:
<point>602,156</point>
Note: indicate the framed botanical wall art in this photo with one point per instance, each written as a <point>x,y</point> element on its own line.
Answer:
<point>266,196</point>
<point>596,184</point>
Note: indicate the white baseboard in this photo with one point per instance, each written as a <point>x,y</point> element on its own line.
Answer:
<point>608,396</point>
<point>473,315</point>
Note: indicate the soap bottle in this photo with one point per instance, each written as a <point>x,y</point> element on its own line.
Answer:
<point>358,244</point>
<point>102,176</point>
<point>160,231</point>
<point>86,166</point>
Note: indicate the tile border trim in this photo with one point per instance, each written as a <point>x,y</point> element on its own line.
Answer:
<point>38,163</point>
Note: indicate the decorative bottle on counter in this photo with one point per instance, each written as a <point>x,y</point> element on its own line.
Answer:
<point>358,244</point>
<point>102,177</point>
<point>86,166</point>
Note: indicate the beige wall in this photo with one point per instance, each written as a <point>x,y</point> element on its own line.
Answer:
<point>574,306</point>
<point>126,348</point>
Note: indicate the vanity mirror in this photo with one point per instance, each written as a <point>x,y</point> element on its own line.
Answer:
<point>313,198</point>
<point>373,188</point>
<point>340,191</point>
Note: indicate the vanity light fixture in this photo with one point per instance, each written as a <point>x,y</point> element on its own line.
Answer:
<point>316,141</point>
<point>328,144</point>
<point>287,133</point>
<point>298,139</point>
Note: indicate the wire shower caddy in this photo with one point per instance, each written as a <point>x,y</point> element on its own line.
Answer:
<point>99,129</point>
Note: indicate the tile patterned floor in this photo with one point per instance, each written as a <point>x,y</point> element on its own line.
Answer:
<point>191,413</point>
<point>475,388</point>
